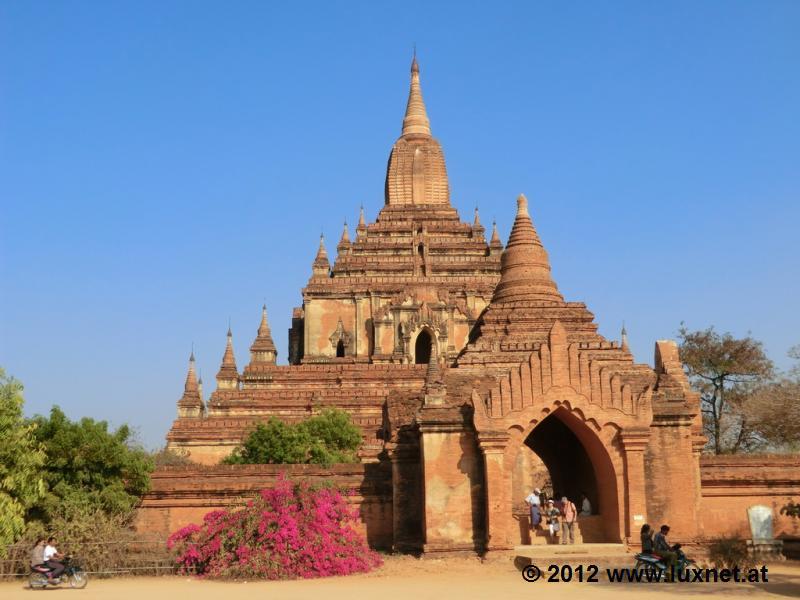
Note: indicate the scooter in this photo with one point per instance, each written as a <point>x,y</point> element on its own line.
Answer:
<point>73,575</point>
<point>656,564</point>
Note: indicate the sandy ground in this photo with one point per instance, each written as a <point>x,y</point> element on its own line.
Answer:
<point>411,579</point>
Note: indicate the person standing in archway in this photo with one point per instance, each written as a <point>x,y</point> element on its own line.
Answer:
<point>551,513</point>
<point>534,502</point>
<point>586,506</point>
<point>570,518</point>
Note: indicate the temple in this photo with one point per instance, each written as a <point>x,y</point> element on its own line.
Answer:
<point>471,376</point>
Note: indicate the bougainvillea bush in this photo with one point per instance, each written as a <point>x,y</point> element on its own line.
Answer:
<point>294,530</point>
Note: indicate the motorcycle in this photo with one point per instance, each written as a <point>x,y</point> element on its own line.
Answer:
<point>73,575</point>
<point>656,565</point>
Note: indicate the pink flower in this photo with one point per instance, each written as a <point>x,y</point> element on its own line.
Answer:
<point>291,530</point>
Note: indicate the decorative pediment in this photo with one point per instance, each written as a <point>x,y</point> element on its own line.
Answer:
<point>600,377</point>
<point>340,335</point>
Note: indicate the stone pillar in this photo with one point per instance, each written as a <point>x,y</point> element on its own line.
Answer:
<point>406,497</point>
<point>451,475</point>
<point>672,477</point>
<point>634,443</point>
<point>497,480</point>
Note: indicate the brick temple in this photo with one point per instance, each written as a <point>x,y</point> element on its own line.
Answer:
<point>472,379</point>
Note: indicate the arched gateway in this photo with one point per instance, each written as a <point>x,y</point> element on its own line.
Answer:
<point>546,387</point>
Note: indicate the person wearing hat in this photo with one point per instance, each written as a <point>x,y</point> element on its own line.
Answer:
<point>551,513</point>
<point>534,502</point>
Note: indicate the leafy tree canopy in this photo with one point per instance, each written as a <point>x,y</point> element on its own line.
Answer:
<point>21,458</point>
<point>325,439</point>
<point>89,467</point>
<point>746,405</point>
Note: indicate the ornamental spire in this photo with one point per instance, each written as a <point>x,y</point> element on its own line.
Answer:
<point>495,245</point>
<point>321,265</point>
<point>416,121</point>
<point>495,235</point>
<point>263,348</point>
<point>525,267</point>
<point>191,403</point>
<point>191,376</point>
<point>228,376</point>
<point>344,243</point>
<point>624,338</point>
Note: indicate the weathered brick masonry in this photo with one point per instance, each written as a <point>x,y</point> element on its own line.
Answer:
<point>468,372</point>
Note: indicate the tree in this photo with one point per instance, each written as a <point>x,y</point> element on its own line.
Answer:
<point>324,439</point>
<point>773,414</point>
<point>22,482</point>
<point>774,410</point>
<point>88,467</point>
<point>726,371</point>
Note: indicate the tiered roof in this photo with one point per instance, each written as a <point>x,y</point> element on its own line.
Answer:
<point>527,304</point>
<point>418,236</point>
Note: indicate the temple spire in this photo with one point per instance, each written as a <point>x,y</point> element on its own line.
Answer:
<point>228,376</point>
<point>345,234</point>
<point>525,267</point>
<point>191,403</point>
<point>191,376</point>
<point>416,121</point>
<point>321,265</point>
<point>263,348</point>
<point>495,235</point>
<point>477,228</point>
<point>624,337</point>
<point>361,221</point>
<point>495,245</point>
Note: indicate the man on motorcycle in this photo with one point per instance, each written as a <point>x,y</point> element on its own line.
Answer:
<point>52,558</point>
<point>664,550</point>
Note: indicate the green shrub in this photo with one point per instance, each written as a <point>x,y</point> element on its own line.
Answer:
<point>729,552</point>
<point>791,509</point>
<point>89,467</point>
<point>324,439</point>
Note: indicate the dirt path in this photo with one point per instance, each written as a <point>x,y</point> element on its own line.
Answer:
<point>404,578</point>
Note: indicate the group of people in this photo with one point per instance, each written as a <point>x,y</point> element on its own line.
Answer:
<point>659,545</point>
<point>558,514</point>
<point>45,554</point>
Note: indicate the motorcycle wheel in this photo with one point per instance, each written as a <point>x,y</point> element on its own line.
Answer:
<point>37,581</point>
<point>78,580</point>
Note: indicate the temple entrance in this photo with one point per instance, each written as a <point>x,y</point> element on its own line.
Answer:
<point>340,349</point>
<point>422,348</point>
<point>562,457</point>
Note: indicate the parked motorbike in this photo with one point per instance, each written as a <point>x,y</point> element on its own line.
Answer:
<point>73,575</point>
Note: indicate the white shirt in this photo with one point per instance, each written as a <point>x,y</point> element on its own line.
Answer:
<point>586,507</point>
<point>533,499</point>
<point>49,552</point>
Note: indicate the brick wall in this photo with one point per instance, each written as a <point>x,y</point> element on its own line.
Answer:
<point>182,495</point>
<point>730,484</point>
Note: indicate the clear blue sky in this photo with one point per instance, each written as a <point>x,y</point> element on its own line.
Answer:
<point>166,166</point>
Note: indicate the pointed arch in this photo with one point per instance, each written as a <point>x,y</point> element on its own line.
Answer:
<point>423,347</point>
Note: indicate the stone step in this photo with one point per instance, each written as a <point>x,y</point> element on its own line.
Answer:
<point>601,555</point>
